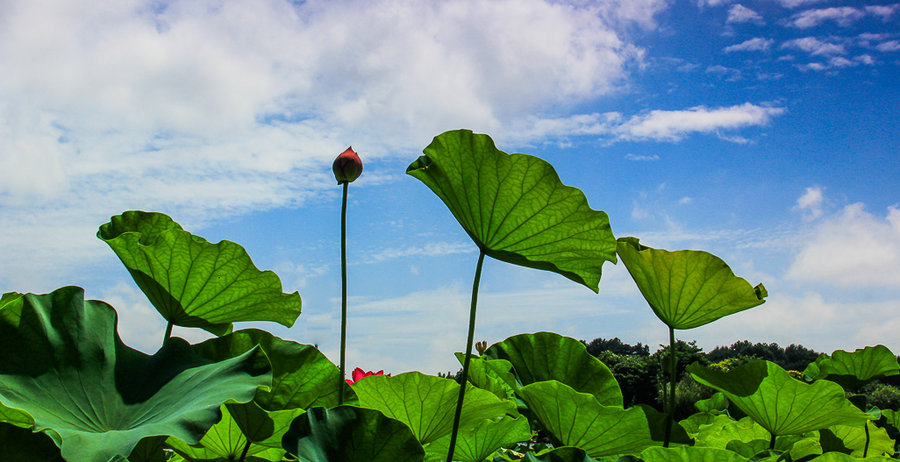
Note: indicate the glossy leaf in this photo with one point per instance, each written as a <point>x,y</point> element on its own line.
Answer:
<point>16,417</point>
<point>192,282</point>
<point>690,454</point>
<point>351,434</point>
<point>302,377</point>
<point>426,403</point>
<point>548,356</point>
<point>66,366</point>
<point>579,420</point>
<point>494,375</point>
<point>781,404</point>
<point>515,207</point>
<point>853,370</point>
<point>478,443</point>
<point>687,288</point>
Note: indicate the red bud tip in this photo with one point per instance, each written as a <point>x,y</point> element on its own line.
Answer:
<point>347,167</point>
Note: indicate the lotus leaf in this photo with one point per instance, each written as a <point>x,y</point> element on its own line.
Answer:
<point>853,370</point>
<point>478,443</point>
<point>854,441</point>
<point>690,454</point>
<point>579,420</point>
<point>687,288</point>
<point>548,356</point>
<point>302,377</point>
<point>515,207</point>
<point>66,366</point>
<point>351,434</point>
<point>780,403</point>
<point>426,404</point>
<point>192,282</point>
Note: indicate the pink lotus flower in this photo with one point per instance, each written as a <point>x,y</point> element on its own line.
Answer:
<point>347,167</point>
<point>359,374</point>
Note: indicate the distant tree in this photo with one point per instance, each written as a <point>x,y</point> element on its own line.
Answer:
<point>794,357</point>
<point>614,345</point>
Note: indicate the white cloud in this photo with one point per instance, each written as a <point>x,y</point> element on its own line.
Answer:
<point>797,3</point>
<point>810,203</point>
<point>702,3</point>
<point>740,14</point>
<point>675,125</point>
<point>754,44</point>
<point>641,158</point>
<point>883,11</point>
<point>891,45</point>
<point>814,46</point>
<point>853,249</point>
<point>210,111</point>
<point>843,16</point>
<point>432,249</point>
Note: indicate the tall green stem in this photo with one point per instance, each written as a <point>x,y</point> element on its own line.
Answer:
<point>168,332</point>
<point>469,341</point>
<point>672,382</point>
<point>343,293</point>
<point>245,451</point>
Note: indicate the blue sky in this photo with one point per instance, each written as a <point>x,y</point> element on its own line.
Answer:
<point>763,131</point>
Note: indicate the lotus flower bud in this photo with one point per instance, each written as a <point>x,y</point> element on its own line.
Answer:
<point>481,346</point>
<point>347,167</point>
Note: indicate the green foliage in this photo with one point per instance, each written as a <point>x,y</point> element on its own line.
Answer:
<point>793,357</point>
<point>94,396</point>
<point>687,288</point>
<point>616,346</point>
<point>882,396</point>
<point>515,208</point>
<point>853,370</point>
<point>192,282</point>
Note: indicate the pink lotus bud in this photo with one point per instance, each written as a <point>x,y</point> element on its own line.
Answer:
<point>347,167</point>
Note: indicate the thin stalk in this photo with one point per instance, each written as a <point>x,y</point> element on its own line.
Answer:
<point>670,418</point>
<point>469,341</point>
<point>168,332</point>
<point>772,442</point>
<point>244,453</point>
<point>866,448</point>
<point>343,293</point>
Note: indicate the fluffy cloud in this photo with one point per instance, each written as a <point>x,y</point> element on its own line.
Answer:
<point>739,14</point>
<point>853,249</point>
<point>754,44</point>
<point>814,46</point>
<point>810,203</point>
<point>797,3</point>
<point>675,125</point>
<point>843,16</point>
<point>209,111</point>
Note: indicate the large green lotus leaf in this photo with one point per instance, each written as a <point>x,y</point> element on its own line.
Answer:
<point>694,422</point>
<point>841,457</point>
<point>687,288</point>
<point>65,365</point>
<point>579,420</point>
<point>20,444</point>
<point>853,440</point>
<point>149,449</point>
<point>478,443</point>
<point>493,375</point>
<point>228,438</point>
<point>690,454</point>
<point>749,438</point>
<point>302,377</point>
<point>351,434</point>
<point>515,207</point>
<point>780,403</point>
<point>715,404</point>
<point>427,404</point>
<point>549,356</point>
<point>853,370</point>
<point>192,282</point>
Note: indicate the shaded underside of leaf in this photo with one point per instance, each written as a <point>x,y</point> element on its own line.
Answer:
<point>515,207</point>
<point>549,356</point>
<point>476,444</point>
<point>853,370</point>
<point>426,404</point>
<point>780,403</point>
<point>690,454</point>
<point>192,282</point>
<point>66,366</point>
<point>351,434</point>
<point>687,288</point>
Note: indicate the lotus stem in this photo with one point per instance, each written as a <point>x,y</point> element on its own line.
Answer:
<point>866,447</point>
<point>465,371</point>
<point>245,451</point>
<point>672,382</point>
<point>168,332</point>
<point>343,293</point>
<point>772,442</point>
